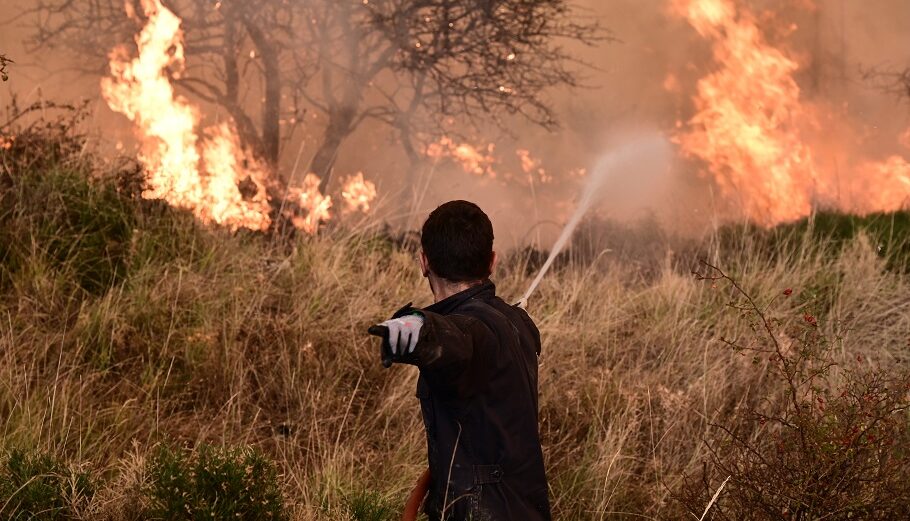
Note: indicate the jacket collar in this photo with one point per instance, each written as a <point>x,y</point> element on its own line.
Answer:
<point>484,290</point>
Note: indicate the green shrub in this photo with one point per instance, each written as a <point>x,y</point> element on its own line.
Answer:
<point>36,486</point>
<point>52,207</point>
<point>370,506</point>
<point>827,231</point>
<point>213,484</point>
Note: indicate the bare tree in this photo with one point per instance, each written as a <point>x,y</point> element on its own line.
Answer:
<point>415,64</point>
<point>890,80</point>
<point>410,64</point>
<point>240,55</point>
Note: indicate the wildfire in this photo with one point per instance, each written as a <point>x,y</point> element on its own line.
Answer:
<point>472,160</point>
<point>358,194</point>
<point>758,139</point>
<point>745,127</point>
<point>308,197</point>
<point>531,165</point>
<point>751,128</point>
<point>894,174</point>
<point>206,171</point>
<point>201,175</point>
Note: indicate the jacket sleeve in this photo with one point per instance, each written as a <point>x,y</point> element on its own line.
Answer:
<point>445,349</point>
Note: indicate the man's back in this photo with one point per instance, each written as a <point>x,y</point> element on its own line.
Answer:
<point>478,391</point>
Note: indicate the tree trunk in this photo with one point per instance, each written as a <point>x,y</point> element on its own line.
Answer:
<point>271,103</point>
<point>339,128</point>
<point>246,129</point>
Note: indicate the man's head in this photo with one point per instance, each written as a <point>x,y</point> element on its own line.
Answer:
<point>457,241</point>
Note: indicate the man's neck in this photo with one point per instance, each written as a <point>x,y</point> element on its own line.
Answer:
<point>443,289</point>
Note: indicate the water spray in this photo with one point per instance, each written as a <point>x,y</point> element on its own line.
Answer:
<point>620,160</point>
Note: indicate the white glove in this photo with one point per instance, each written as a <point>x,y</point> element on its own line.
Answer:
<point>403,333</point>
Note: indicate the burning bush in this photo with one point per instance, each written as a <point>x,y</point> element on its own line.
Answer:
<point>829,441</point>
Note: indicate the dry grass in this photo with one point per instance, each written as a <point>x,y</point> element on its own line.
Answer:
<point>249,340</point>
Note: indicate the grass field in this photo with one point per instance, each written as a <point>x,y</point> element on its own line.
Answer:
<point>135,344</point>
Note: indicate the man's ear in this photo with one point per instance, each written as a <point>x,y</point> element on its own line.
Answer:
<point>424,264</point>
<point>493,259</point>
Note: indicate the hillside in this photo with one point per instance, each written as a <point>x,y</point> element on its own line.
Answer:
<point>135,342</point>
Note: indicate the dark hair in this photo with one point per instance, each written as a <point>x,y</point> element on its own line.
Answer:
<point>457,239</point>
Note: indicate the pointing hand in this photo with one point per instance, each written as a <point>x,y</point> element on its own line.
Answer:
<point>403,333</point>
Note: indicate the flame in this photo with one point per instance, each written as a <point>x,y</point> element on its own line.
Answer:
<point>200,175</point>
<point>472,160</point>
<point>358,194</point>
<point>219,155</point>
<point>531,165</point>
<point>309,198</point>
<point>206,171</point>
<point>745,127</point>
<point>753,131</point>
<point>882,186</point>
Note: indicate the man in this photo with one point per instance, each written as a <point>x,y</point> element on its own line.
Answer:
<point>477,357</point>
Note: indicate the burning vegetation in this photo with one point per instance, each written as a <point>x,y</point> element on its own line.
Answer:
<point>761,142</point>
<point>435,75</point>
<point>152,367</point>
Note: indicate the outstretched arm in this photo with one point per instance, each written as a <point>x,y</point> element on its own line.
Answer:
<point>442,346</point>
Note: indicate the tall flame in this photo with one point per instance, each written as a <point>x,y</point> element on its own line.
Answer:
<point>745,127</point>
<point>201,175</point>
<point>750,128</point>
<point>206,171</point>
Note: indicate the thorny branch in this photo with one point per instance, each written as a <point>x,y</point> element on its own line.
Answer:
<point>831,449</point>
<point>4,61</point>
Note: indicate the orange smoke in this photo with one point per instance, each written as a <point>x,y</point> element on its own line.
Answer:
<point>751,129</point>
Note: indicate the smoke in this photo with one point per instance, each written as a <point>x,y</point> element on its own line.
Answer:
<point>644,80</point>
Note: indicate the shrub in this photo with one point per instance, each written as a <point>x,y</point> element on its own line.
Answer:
<point>370,506</point>
<point>51,206</point>
<point>829,441</point>
<point>828,230</point>
<point>36,486</point>
<point>212,484</point>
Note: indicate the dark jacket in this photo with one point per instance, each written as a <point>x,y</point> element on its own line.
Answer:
<point>477,357</point>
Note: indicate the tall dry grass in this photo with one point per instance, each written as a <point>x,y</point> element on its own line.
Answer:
<point>124,325</point>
